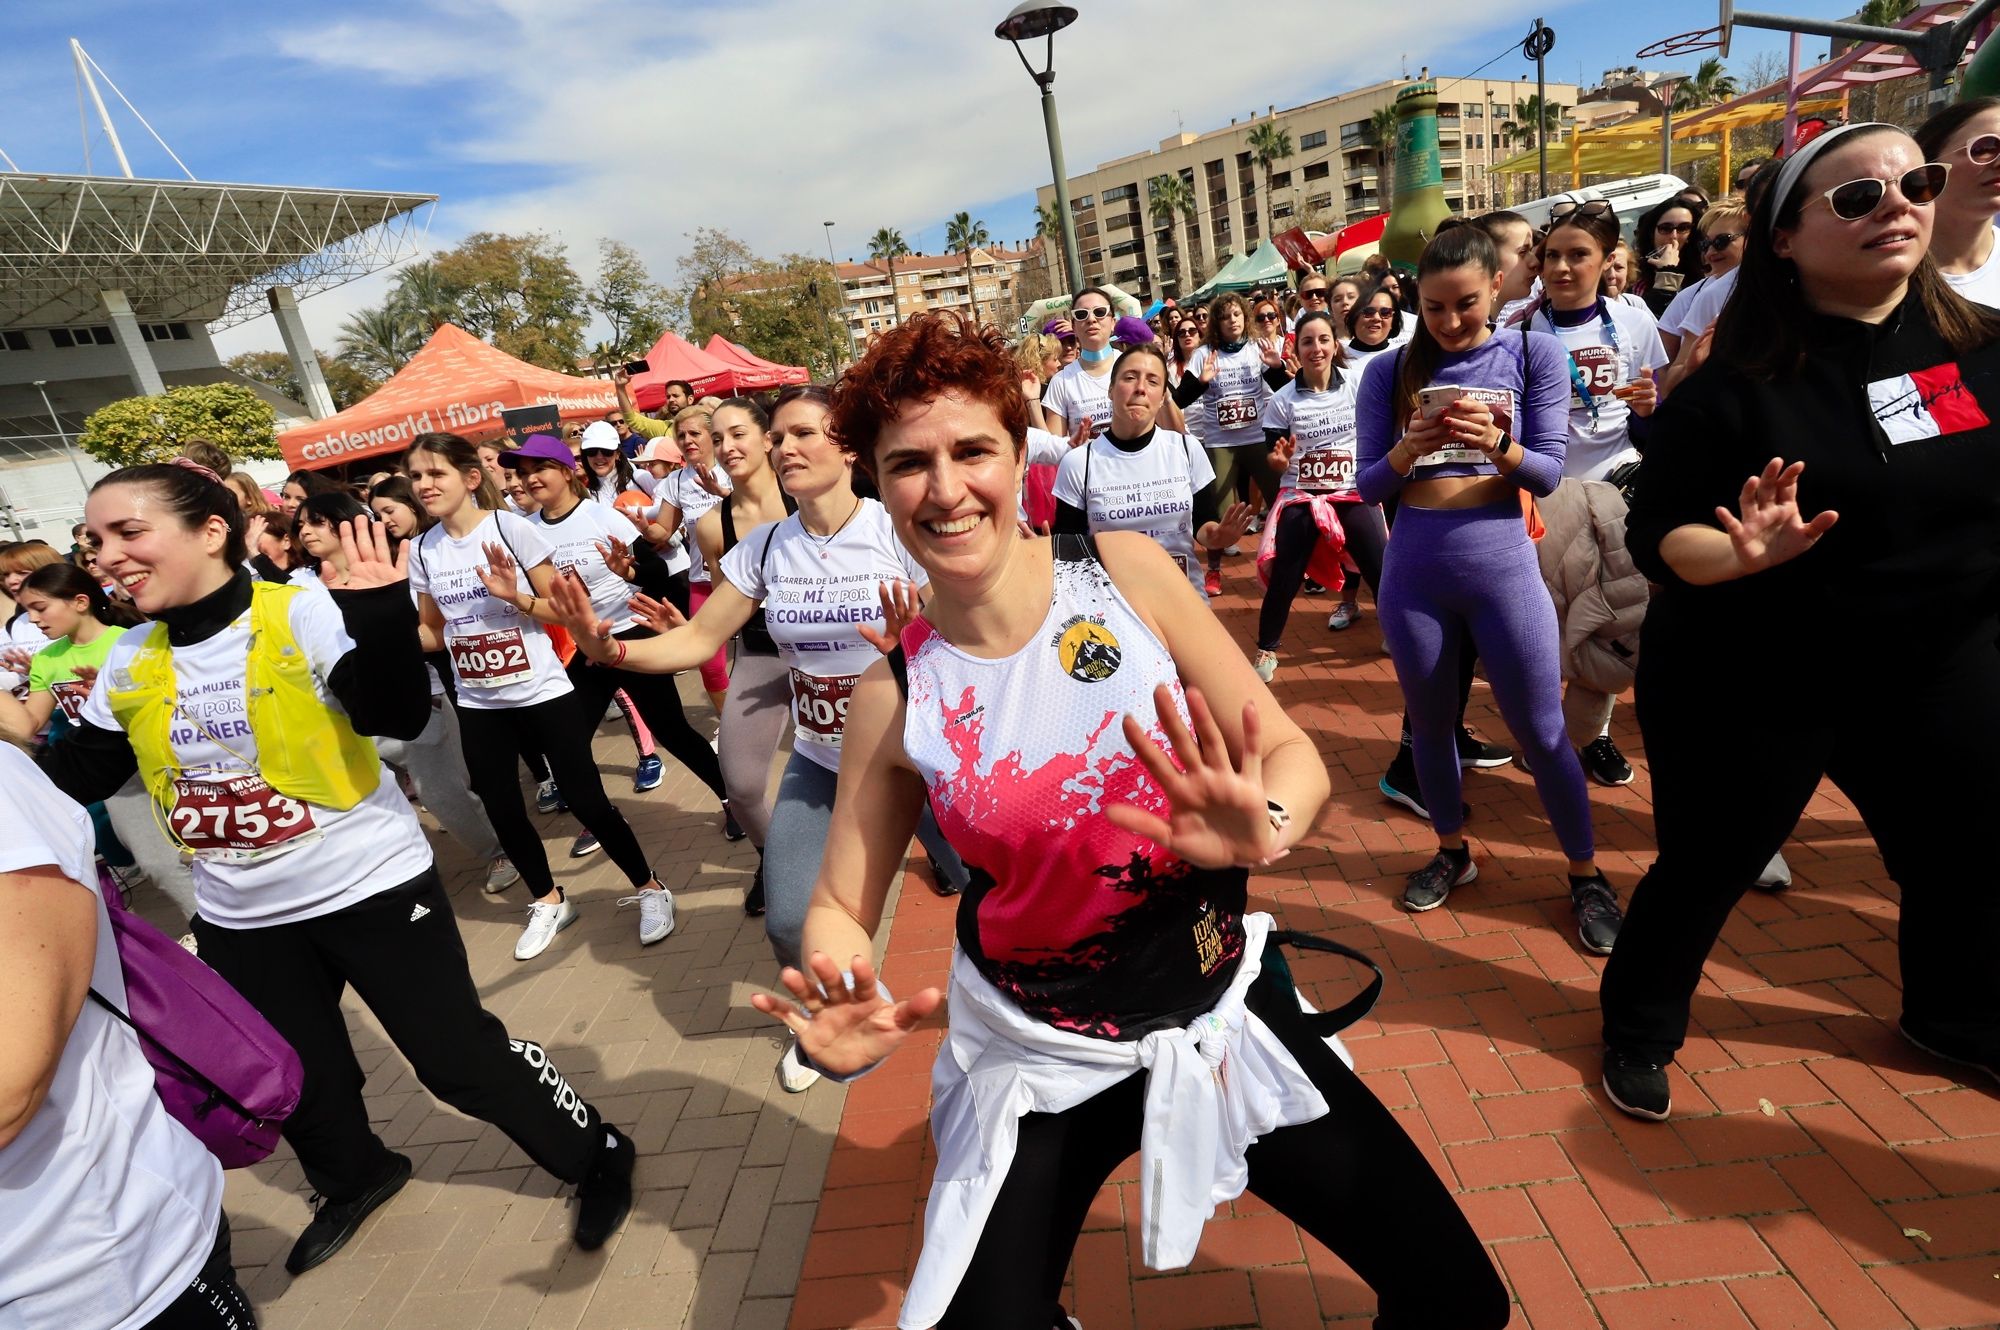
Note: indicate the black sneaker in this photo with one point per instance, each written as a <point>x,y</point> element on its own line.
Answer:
<point>730,830</point>
<point>1939,1048</point>
<point>1636,1086</point>
<point>582,845</point>
<point>1604,763</point>
<point>1597,914</point>
<point>1312,588</point>
<point>604,1197</point>
<point>753,899</point>
<point>1476,752</point>
<point>332,1225</point>
<point>1427,888</point>
<point>548,799</point>
<point>1399,785</point>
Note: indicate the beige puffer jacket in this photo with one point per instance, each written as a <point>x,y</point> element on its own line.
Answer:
<point>1600,596</point>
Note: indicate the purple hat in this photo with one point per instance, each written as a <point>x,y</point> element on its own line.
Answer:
<point>539,448</point>
<point>1132,331</point>
<point>1055,328</point>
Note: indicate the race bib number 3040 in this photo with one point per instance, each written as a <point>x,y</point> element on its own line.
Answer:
<point>1327,470</point>
<point>490,660</point>
<point>238,819</point>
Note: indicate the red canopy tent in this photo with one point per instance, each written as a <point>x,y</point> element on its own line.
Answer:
<point>674,357</point>
<point>755,371</point>
<point>458,384</point>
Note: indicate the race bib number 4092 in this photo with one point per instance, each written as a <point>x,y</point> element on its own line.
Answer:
<point>238,819</point>
<point>819,705</point>
<point>490,660</point>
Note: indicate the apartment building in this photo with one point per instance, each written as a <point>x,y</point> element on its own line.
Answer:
<point>1330,178</point>
<point>936,281</point>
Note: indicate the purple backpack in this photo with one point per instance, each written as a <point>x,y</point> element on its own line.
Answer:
<point>218,1066</point>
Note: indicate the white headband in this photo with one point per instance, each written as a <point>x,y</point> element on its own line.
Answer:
<point>1796,164</point>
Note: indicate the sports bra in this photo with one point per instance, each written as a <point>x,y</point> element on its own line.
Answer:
<point>756,635</point>
<point>1085,926</point>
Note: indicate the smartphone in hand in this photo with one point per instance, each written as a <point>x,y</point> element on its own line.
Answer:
<point>1437,399</point>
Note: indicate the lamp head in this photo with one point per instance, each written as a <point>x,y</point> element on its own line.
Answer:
<point>1034,18</point>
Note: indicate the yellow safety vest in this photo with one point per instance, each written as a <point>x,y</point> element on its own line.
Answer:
<point>306,750</point>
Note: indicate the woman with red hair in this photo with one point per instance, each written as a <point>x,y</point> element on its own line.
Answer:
<point>1110,769</point>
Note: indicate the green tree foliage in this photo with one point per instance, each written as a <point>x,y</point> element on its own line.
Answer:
<point>152,429</point>
<point>964,234</point>
<point>378,341</point>
<point>1382,132</point>
<point>713,257</point>
<point>792,314</point>
<point>1269,145</point>
<point>1170,203</point>
<point>273,369</point>
<point>886,246</point>
<point>1710,86</point>
<point>636,307</point>
<point>520,293</point>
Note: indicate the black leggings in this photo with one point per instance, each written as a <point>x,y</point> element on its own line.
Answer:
<point>1911,747</point>
<point>401,952</point>
<point>560,730</point>
<point>1293,546</point>
<point>214,1301</point>
<point>1353,1179</point>
<point>658,698</point>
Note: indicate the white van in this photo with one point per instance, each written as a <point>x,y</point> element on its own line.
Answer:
<point>1629,198</point>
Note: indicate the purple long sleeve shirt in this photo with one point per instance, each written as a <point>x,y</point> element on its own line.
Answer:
<point>1499,365</point>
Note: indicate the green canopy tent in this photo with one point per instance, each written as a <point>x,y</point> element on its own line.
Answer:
<point>1215,285</point>
<point>1264,266</point>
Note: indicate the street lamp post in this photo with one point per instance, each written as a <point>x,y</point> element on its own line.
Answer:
<point>833,265</point>
<point>42,387</point>
<point>1028,20</point>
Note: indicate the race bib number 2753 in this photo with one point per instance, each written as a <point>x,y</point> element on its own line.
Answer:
<point>238,819</point>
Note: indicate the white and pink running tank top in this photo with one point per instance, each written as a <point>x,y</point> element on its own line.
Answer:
<point>1085,926</point>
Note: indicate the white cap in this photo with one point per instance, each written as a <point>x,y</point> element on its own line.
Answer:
<point>600,435</point>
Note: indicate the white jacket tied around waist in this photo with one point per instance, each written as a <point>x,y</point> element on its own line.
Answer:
<point>1213,1088</point>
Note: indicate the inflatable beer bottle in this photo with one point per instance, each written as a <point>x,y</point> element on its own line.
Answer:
<point>1418,204</point>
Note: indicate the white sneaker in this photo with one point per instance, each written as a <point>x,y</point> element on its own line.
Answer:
<point>500,874</point>
<point>1267,665</point>
<point>1343,617</point>
<point>545,920</point>
<point>793,1073</point>
<point>656,914</point>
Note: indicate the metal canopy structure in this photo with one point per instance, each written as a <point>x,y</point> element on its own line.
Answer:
<point>183,249</point>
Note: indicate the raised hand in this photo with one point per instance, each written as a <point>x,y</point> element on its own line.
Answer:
<point>569,600</point>
<point>657,615</point>
<point>618,557</point>
<point>844,1031</point>
<point>374,559</point>
<point>704,476</point>
<point>86,675</point>
<point>900,606</point>
<point>1234,524</point>
<point>16,659</point>
<point>1282,452</point>
<point>619,378</point>
<point>1217,812</point>
<point>1209,363</point>
<point>1081,434</point>
<point>1272,350</point>
<point>499,572</point>
<point>1771,531</point>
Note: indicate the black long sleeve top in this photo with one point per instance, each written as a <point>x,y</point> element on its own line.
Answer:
<point>1897,437</point>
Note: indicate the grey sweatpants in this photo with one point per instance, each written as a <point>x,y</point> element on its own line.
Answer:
<point>135,818</point>
<point>435,764</point>
<point>756,717</point>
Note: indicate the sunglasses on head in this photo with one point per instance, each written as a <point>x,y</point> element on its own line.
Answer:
<point>1100,312</point>
<point>1589,208</point>
<point>1858,198</point>
<point>1984,150</point>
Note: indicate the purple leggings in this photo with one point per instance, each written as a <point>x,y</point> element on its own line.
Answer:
<point>1450,573</point>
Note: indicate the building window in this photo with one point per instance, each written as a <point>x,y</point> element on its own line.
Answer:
<point>1314,139</point>
<point>13,341</point>
<point>1116,192</point>
<point>1125,247</point>
<point>1280,210</point>
<point>164,332</point>
<point>1280,179</point>
<point>96,335</point>
<point>1319,201</point>
<point>1078,205</point>
<point>1473,111</point>
<point>1317,171</point>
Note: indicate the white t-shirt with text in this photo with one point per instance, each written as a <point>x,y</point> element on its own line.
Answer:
<point>1151,489</point>
<point>501,656</point>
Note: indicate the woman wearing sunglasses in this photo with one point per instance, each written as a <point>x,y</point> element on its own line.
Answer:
<point>1668,259</point>
<point>1966,137</point>
<point>1721,247</point>
<point>1081,390</point>
<point>1834,448</point>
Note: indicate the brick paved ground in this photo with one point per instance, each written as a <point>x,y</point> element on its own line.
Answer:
<point>1817,1172</point>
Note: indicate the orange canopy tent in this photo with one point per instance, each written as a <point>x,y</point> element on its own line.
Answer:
<point>755,372</point>
<point>674,357</point>
<point>457,383</point>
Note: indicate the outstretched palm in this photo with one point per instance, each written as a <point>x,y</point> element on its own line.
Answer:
<point>1771,530</point>
<point>844,1030</point>
<point>1217,813</point>
<point>499,572</point>
<point>373,557</point>
<point>901,604</point>
<point>569,601</point>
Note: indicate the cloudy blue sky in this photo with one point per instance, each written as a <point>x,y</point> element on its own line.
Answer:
<point>643,119</point>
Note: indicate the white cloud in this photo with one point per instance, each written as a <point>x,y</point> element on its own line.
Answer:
<point>643,120</point>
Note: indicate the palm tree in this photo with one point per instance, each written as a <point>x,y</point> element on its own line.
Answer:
<point>1048,221</point>
<point>422,293</point>
<point>1269,144</point>
<point>886,246</point>
<point>1536,119</point>
<point>1382,131</point>
<point>378,341</point>
<point>965,235</point>
<point>1169,198</point>
<point>1709,87</point>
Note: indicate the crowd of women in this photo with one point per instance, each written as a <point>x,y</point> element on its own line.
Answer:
<point>973,581</point>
